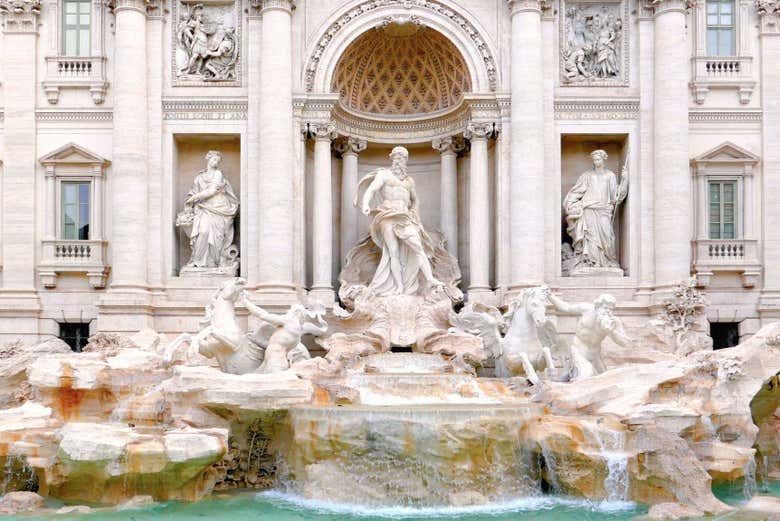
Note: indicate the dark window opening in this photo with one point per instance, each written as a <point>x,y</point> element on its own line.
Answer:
<point>75,334</point>
<point>724,334</point>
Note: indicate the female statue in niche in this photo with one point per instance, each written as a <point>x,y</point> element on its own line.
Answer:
<point>209,210</point>
<point>590,208</point>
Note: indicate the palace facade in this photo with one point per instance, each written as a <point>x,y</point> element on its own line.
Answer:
<point>108,109</point>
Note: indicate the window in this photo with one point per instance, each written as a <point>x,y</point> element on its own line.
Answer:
<point>75,210</point>
<point>724,334</point>
<point>722,209</point>
<point>76,27</point>
<point>75,334</point>
<point>721,28</point>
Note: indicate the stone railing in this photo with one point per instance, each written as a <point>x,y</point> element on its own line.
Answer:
<point>727,255</point>
<point>729,72</point>
<point>75,72</point>
<point>64,256</point>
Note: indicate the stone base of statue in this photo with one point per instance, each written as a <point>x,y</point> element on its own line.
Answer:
<point>225,272</point>
<point>593,271</point>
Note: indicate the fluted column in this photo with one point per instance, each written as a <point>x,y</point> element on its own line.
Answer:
<point>349,148</point>
<point>769,12</point>
<point>275,162</point>
<point>479,212</point>
<point>448,193</point>
<point>130,154</point>
<point>527,162</point>
<point>322,214</point>
<point>673,213</point>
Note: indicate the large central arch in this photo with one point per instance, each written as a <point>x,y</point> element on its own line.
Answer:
<point>345,27</point>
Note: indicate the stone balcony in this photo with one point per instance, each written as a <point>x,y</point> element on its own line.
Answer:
<point>727,255</point>
<point>731,72</point>
<point>63,256</point>
<point>75,72</point>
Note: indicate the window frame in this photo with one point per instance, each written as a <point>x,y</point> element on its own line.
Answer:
<point>720,28</point>
<point>737,207</point>
<point>61,213</point>
<point>64,27</point>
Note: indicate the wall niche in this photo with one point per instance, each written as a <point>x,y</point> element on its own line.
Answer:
<point>192,155</point>
<point>594,216</point>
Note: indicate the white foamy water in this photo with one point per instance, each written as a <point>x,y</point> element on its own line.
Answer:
<point>523,504</point>
<point>369,397</point>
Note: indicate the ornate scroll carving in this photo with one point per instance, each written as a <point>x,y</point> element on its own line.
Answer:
<point>769,11</point>
<point>20,15</point>
<point>206,43</point>
<point>594,43</point>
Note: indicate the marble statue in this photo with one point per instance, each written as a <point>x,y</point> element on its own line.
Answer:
<point>271,348</point>
<point>399,283</point>
<point>207,219</point>
<point>597,322</point>
<point>682,326</point>
<point>280,335</point>
<point>530,334</point>
<point>210,49</point>
<point>592,46</point>
<point>590,208</point>
<point>390,200</point>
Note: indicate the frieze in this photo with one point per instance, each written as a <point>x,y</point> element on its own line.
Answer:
<point>204,110</point>
<point>723,116</point>
<point>597,110</point>
<point>431,5</point>
<point>206,44</point>
<point>594,43</point>
<point>74,115</point>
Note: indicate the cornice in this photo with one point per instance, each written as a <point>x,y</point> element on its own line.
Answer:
<point>596,109</point>
<point>74,115</point>
<point>204,109</point>
<point>725,116</point>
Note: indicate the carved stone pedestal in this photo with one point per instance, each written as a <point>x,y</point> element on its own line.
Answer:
<point>587,271</point>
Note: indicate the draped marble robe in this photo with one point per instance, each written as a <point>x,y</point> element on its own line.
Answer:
<point>589,208</point>
<point>212,228</point>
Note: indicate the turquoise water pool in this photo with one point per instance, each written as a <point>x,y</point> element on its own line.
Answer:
<point>276,506</point>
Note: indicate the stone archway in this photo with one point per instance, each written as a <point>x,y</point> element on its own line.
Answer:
<point>343,29</point>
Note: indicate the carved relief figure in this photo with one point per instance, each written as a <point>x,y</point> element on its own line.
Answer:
<point>592,47</point>
<point>211,49</point>
<point>391,202</point>
<point>597,321</point>
<point>207,218</point>
<point>590,208</point>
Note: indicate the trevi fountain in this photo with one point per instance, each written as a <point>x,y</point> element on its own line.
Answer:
<point>419,406</point>
<point>339,260</point>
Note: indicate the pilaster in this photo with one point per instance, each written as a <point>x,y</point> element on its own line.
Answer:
<point>18,298</point>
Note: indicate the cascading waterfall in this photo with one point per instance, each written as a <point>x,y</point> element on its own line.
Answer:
<point>749,485</point>
<point>612,444</point>
<point>551,465</point>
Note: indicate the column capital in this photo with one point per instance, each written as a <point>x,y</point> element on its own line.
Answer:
<point>321,130</point>
<point>20,16</point>
<point>270,5</point>
<point>520,6</point>
<point>769,13</point>
<point>350,145</point>
<point>480,130</point>
<point>142,6</point>
<point>448,145</point>
<point>664,6</point>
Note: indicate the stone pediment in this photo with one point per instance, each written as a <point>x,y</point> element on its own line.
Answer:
<point>726,153</point>
<point>73,154</point>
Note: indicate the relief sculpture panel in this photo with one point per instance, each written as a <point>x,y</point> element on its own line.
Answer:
<point>594,43</point>
<point>206,43</point>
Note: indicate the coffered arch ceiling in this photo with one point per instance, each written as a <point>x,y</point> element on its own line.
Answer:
<point>401,69</point>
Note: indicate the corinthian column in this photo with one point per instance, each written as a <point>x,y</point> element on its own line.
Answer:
<point>769,12</point>
<point>673,203</point>
<point>479,212</point>
<point>275,161</point>
<point>448,194</point>
<point>322,214</point>
<point>527,131</point>
<point>130,155</point>
<point>349,150</point>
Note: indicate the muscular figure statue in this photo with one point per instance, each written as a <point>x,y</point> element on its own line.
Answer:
<point>284,334</point>
<point>396,229</point>
<point>597,321</point>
